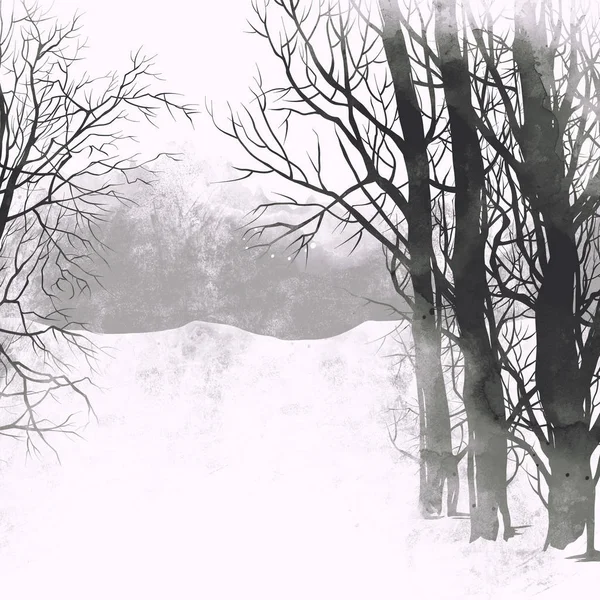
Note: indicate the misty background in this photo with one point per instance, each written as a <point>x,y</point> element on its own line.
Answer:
<point>177,253</point>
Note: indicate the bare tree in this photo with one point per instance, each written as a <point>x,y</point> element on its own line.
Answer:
<point>349,79</point>
<point>507,96</point>
<point>62,167</point>
<point>439,462</point>
<point>483,393</point>
<point>404,412</point>
<point>540,75</point>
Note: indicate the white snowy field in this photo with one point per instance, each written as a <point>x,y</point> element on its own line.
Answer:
<point>228,465</point>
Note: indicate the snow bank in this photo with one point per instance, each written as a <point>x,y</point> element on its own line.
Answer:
<point>229,465</point>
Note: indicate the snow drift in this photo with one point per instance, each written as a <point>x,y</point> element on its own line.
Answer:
<point>230,465</point>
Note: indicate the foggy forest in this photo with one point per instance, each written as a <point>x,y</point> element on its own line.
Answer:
<point>300,298</point>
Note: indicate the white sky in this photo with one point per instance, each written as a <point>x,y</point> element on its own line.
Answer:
<point>202,52</point>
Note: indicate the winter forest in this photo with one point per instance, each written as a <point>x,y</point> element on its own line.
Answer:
<point>300,298</point>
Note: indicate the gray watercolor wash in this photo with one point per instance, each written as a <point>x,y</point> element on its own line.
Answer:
<point>175,258</point>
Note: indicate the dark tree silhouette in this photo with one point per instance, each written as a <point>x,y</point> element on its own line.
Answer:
<point>543,67</point>
<point>338,79</point>
<point>64,161</point>
<point>362,79</point>
<point>463,138</point>
<point>483,393</point>
<point>438,460</point>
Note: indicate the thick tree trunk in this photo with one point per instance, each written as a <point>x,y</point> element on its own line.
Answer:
<point>438,465</point>
<point>488,450</point>
<point>571,486</point>
<point>489,484</point>
<point>483,393</point>
<point>561,387</point>
<point>571,493</point>
<point>437,459</point>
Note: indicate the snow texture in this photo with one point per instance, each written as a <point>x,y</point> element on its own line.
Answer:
<point>230,465</point>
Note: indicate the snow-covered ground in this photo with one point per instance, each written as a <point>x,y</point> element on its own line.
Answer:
<point>229,465</point>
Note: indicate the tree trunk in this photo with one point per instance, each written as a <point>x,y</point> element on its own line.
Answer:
<point>571,487</point>
<point>483,392</point>
<point>562,389</point>
<point>489,485</point>
<point>437,464</point>
<point>488,450</point>
<point>590,525</point>
<point>570,493</point>
<point>453,482</point>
